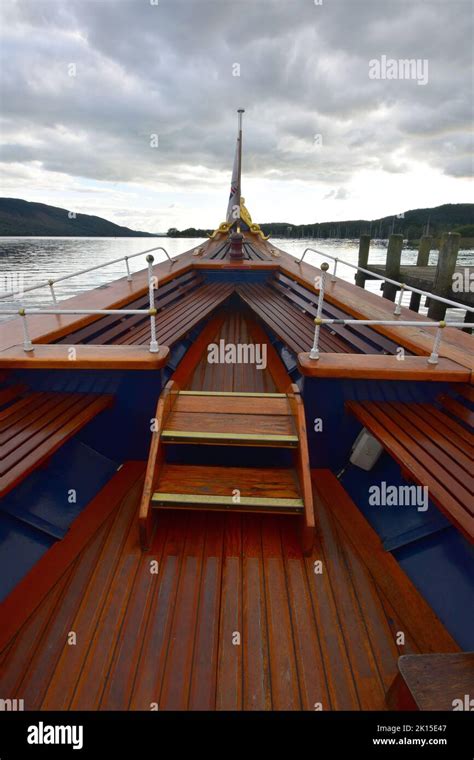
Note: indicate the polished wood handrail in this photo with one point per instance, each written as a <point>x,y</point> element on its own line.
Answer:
<point>382,367</point>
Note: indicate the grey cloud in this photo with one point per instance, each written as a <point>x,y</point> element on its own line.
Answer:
<point>167,69</point>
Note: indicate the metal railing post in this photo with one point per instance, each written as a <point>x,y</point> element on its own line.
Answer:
<point>314,353</point>
<point>433,358</point>
<point>129,276</point>
<point>333,278</point>
<point>398,307</point>
<point>51,287</point>
<point>27,344</point>
<point>153,340</point>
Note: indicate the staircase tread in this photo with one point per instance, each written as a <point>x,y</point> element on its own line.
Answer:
<point>259,482</point>
<point>210,422</point>
<point>242,405</point>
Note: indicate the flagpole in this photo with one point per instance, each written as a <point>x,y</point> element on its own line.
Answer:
<point>239,191</point>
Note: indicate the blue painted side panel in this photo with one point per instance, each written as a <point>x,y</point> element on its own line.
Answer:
<point>396,525</point>
<point>20,548</point>
<point>435,556</point>
<point>234,276</point>
<point>442,567</point>
<point>43,500</point>
<point>324,400</point>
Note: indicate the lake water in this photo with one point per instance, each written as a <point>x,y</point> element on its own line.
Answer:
<point>34,260</point>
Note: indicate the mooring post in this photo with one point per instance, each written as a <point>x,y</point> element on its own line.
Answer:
<point>422,260</point>
<point>364,246</point>
<point>443,280</point>
<point>392,266</point>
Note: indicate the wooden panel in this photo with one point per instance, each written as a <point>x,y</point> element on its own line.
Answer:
<point>202,694</point>
<point>449,494</point>
<point>259,425</point>
<point>381,367</point>
<point>39,447</point>
<point>436,680</point>
<point>31,591</point>
<point>57,356</point>
<point>89,606</point>
<point>270,482</point>
<point>154,645</point>
<point>155,456</point>
<point>230,663</point>
<point>256,666</point>
<point>415,613</point>
<point>302,465</point>
<point>177,674</point>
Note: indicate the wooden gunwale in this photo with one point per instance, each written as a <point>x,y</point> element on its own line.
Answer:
<point>355,301</point>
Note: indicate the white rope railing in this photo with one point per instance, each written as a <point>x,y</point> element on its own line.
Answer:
<point>403,286</point>
<point>52,282</point>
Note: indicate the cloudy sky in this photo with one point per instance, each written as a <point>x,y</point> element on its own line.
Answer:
<point>126,108</point>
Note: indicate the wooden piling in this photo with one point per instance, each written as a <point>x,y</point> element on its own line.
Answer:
<point>443,281</point>
<point>363,260</point>
<point>422,260</point>
<point>392,267</point>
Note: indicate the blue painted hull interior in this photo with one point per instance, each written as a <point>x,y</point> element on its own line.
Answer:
<point>435,556</point>
<point>40,511</point>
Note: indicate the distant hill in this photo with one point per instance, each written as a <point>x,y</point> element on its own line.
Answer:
<point>21,218</point>
<point>411,224</point>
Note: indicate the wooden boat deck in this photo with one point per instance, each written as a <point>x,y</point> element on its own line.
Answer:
<point>170,639</point>
<point>235,618</point>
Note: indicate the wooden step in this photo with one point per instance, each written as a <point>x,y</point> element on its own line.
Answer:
<point>261,489</point>
<point>234,419</point>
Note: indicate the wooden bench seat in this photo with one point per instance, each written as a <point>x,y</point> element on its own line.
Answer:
<point>289,309</point>
<point>289,323</point>
<point>433,444</point>
<point>181,303</point>
<point>34,425</point>
<point>433,682</point>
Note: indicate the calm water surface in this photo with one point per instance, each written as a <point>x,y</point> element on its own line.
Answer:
<point>34,260</point>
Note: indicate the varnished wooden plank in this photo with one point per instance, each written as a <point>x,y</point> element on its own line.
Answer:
<point>229,668</point>
<point>178,667</point>
<point>414,612</point>
<point>381,367</point>
<point>121,675</point>
<point>256,665</point>
<point>436,680</point>
<point>30,592</point>
<point>16,658</point>
<point>311,673</point>
<point>90,605</point>
<point>458,410</point>
<point>149,674</point>
<point>103,639</point>
<point>39,451</point>
<point>55,638</point>
<point>363,664</point>
<point>284,674</point>
<point>68,356</point>
<point>420,467</point>
<point>202,694</point>
<point>260,405</point>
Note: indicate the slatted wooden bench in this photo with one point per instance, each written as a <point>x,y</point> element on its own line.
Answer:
<point>33,426</point>
<point>289,309</point>
<point>181,303</point>
<point>433,444</point>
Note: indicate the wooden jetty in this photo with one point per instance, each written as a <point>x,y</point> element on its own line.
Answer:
<point>447,278</point>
